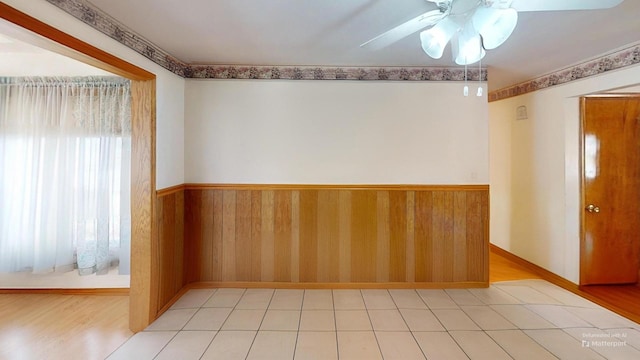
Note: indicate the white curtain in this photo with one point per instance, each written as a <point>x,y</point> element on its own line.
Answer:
<point>65,159</point>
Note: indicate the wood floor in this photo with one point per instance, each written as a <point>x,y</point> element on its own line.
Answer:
<point>56,326</point>
<point>503,269</point>
<point>622,299</point>
<point>40,326</point>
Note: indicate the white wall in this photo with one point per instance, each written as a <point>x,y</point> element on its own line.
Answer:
<point>45,64</point>
<point>169,87</point>
<point>334,132</point>
<point>535,194</point>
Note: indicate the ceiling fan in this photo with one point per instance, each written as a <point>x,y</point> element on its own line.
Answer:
<point>474,26</point>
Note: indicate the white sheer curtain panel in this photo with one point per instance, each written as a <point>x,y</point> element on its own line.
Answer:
<point>65,159</point>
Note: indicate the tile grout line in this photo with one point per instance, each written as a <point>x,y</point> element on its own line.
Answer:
<point>335,323</point>
<point>542,345</point>
<point>478,325</point>
<point>563,329</point>
<point>375,334</point>
<point>434,315</point>
<point>407,324</point>
<point>487,304</point>
<point>244,291</point>
<point>295,346</point>
<point>180,330</point>
<point>518,328</point>
<point>165,345</point>
<point>225,321</point>
<point>441,324</point>
<point>217,332</point>
<point>261,321</point>
<point>504,294</point>
<point>524,305</point>
<point>631,345</point>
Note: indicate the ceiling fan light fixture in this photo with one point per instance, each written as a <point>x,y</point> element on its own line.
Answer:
<point>494,25</point>
<point>467,46</point>
<point>493,20</point>
<point>434,40</point>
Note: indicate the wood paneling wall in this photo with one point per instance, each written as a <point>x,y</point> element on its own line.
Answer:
<point>325,234</point>
<point>170,248</point>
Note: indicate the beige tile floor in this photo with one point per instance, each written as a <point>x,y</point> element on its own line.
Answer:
<point>525,319</point>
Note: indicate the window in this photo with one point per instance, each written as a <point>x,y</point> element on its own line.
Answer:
<point>64,173</point>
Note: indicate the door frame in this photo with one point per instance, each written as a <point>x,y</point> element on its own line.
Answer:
<point>144,270</point>
<point>581,160</point>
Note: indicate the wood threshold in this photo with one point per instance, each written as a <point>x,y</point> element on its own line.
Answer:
<point>401,187</point>
<point>93,291</point>
<point>336,285</point>
<point>564,283</point>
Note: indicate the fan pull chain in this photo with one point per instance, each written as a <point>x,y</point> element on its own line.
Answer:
<point>465,90</point>
<point>479,93</point>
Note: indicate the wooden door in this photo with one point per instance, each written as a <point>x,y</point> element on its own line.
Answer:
<point>610,246</point>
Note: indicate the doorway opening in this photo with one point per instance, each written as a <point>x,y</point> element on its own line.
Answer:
<point>143,270</point>
<point>610,236</point>
<point>610,199</point>
<point>71,122</point>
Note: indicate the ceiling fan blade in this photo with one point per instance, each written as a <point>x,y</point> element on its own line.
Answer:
<point>401,31</point>
<point>553,5</point>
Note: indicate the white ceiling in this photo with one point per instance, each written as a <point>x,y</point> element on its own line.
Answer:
<point>329,32</point>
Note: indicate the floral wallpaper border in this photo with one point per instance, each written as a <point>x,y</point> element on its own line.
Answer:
<point>96,18</point>
<point>99,20</point>
<point>333,73</point>
<point>626,57</point>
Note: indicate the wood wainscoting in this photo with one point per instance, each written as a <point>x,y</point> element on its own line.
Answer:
<point>170,249</point>
<point>336,235</point>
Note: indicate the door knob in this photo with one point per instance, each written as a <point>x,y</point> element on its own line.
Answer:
<point>592,208</point>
